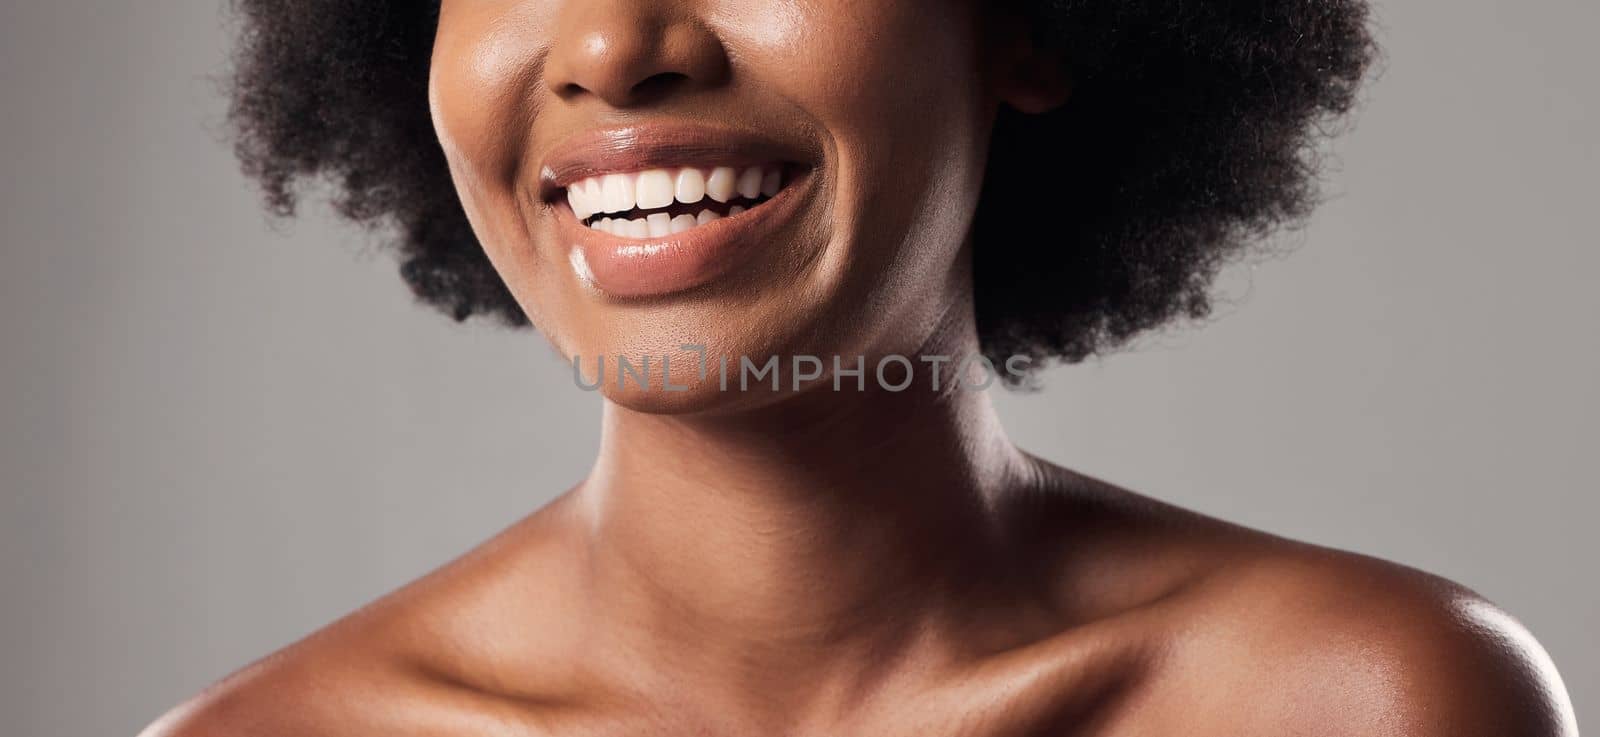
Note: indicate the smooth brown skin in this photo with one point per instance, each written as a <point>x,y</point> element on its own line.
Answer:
<point>854,563</point>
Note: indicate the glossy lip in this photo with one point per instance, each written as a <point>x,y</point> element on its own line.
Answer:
<point>653,267</point>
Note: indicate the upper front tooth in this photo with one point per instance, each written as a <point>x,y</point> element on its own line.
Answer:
<point>658,188</point>
<point>655,189</point>
<point>750,182</point>
<point>592,196</point>
<point>619,193</point>
<point>583,203</point>
<point>576,199</point>
<point>720,185</point>
<point>691,186</point>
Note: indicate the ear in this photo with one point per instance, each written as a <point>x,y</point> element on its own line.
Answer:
<point>1027,76</point>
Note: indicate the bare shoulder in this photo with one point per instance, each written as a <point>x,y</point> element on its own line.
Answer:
<point>424,659</point>
<point>1302,640</point>
<point>1255,634</point>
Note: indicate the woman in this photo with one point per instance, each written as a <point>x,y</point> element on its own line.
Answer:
<point>786,240</point>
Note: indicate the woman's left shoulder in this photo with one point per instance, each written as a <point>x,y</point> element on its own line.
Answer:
<point>1339,643</point>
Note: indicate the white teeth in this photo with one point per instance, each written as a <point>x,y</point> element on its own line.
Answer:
<point>584,197</point>
<point>658,188</point>
<point>750,183</point>
<point>575,200</point>
<point>620,193</point>
<point>655,189</point>
<point>720,185</point>
<point>592,195</point>
<point>660,224</point>
<point>691,186</point>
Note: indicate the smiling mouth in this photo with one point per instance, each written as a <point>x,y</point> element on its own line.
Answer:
<point>666,201</point>
<point>655,209</point>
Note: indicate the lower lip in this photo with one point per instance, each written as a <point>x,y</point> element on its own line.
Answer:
<point>656,267</point>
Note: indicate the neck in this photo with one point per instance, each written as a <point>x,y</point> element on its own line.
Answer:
<point>819,525</point>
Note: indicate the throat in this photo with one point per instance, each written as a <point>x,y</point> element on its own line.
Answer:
<point>795,526</point>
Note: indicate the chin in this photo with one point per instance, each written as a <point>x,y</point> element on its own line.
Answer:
<point>707,361</point>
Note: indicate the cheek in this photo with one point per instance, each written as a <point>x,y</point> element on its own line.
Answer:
<point>479,85</point>
<point>482,93</point>
<point>908,105</point>
<point>897,87</point>
<point>862,67</point>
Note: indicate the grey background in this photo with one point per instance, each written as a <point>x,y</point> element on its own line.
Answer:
<point>216,436</point>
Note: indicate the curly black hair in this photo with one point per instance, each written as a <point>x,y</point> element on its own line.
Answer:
<point>1192,130</point>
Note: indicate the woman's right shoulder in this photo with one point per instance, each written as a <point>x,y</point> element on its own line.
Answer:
<point>311,694</point>
<point>423,659</point>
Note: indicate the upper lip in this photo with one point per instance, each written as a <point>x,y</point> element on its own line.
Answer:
<point>653,146</point>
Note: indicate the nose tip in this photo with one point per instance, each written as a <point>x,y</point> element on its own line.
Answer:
<point>628,57</point>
